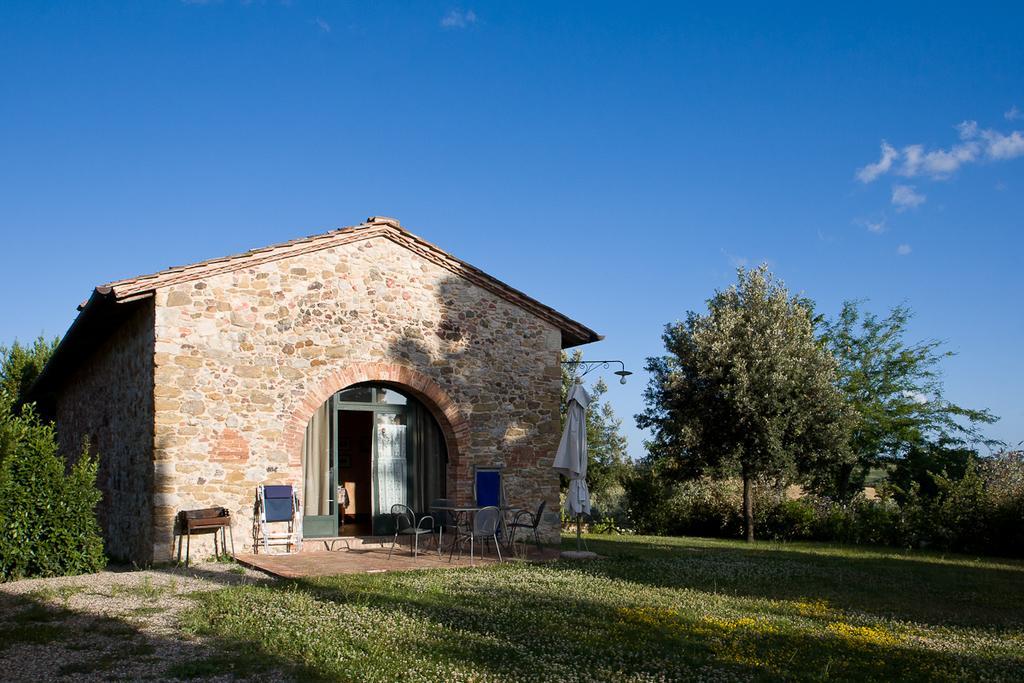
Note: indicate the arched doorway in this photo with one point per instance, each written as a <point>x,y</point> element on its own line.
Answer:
<point>366,448</point>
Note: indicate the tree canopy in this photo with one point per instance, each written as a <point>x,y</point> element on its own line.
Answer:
<point>746,390</point>
<point>20,365</point>
<point>895,391</point>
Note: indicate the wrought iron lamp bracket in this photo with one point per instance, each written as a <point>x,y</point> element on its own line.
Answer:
<point>580,368</point>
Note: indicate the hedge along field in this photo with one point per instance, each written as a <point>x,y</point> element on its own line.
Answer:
<point>654,609</point>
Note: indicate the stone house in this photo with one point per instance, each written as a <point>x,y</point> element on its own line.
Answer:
<point>363,359</point>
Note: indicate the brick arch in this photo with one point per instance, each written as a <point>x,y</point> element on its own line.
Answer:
<point>454,425</point>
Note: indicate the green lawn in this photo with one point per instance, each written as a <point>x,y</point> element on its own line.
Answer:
<point>655,609</point>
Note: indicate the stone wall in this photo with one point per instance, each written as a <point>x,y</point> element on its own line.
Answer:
<point>244,358</point>
<point>109,401</point>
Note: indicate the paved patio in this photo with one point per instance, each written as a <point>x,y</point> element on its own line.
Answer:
<point>371,558</point>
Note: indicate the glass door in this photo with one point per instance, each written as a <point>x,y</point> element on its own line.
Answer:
<point>368,448</point>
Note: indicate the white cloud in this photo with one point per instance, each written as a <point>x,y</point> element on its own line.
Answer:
<point>941,163</point>
<point>976,144</point>
<point>322,25</point>
<point>967,129</point>
<point>905,197</point>
<point>1000,147</point>
<point>458,19</point>
<point>736,261</point>
<point>1013,114</point>
<point>903,249</point>
<point>880,167</point>
<point>875,226</point>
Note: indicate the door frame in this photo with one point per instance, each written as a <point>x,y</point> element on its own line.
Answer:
<point>321,526</point>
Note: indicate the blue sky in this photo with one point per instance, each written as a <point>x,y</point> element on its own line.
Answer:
<point>617,161</point>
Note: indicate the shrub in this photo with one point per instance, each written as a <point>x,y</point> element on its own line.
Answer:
<point>647,500</point>
<point>977,509</point>
<point>1004,482</point>
<point>789,520</point>
<point>960,513</point>
<point>875,522</point>
<point>48,523</point>
<point>698,507</point>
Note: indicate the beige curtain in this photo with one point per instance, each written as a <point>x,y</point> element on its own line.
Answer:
<point>316,454</point>
<point>429,460</point>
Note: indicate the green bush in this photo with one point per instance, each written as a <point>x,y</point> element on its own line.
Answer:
<point>1004,483</point>
<point>875,522</point>
<point>700,507</point>
<point>789,520</point>
<point>48,522</point>
<point>961,513</point>
<point>979,509</point>
<point>647,496</point>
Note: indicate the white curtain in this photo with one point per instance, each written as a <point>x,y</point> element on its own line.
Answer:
<point>316,454</point>
<point>390,466</point>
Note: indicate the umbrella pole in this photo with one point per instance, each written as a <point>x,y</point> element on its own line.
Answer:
<point>579,519</point>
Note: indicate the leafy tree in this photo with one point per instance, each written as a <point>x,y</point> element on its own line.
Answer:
<point>746,390</point>
<point>895,390</point>
<point>20,365</point>
<point>606,446</point>
<point>922,463</point>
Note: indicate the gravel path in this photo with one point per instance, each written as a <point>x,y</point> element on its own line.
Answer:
<point>115,625</point>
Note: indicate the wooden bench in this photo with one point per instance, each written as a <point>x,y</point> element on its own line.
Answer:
<point>205,521</point>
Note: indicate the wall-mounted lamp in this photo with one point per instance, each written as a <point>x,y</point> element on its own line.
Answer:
<point>580,368</point>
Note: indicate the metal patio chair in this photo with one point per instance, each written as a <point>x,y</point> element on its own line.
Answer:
<point>528,522</point>
<point>444,520</point>
<point>406,525</point>
<point>485,529</point>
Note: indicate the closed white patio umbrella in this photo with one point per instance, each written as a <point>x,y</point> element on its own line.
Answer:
<point>571,458</point>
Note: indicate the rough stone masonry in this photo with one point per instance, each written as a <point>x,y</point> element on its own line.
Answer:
<point>203,388</point>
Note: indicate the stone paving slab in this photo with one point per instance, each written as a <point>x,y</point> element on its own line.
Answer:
<point>372,559</point>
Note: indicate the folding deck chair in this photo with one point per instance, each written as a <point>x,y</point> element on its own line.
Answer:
<point>276,504</point>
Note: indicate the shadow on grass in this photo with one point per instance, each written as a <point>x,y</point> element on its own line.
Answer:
<point>233,577</point>
<point>516,622</point>
<point>516,630</point>
<point>519,633</point>
<point>922,589</point>
<point>42,640</point>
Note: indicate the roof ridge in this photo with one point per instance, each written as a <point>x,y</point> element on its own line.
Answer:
<point>374,226</point>
<point>248,253</point>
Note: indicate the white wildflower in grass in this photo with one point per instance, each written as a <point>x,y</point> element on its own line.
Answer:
<point>653,610</point>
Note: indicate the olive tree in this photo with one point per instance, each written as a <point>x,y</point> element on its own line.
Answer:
<point>746,390</point>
